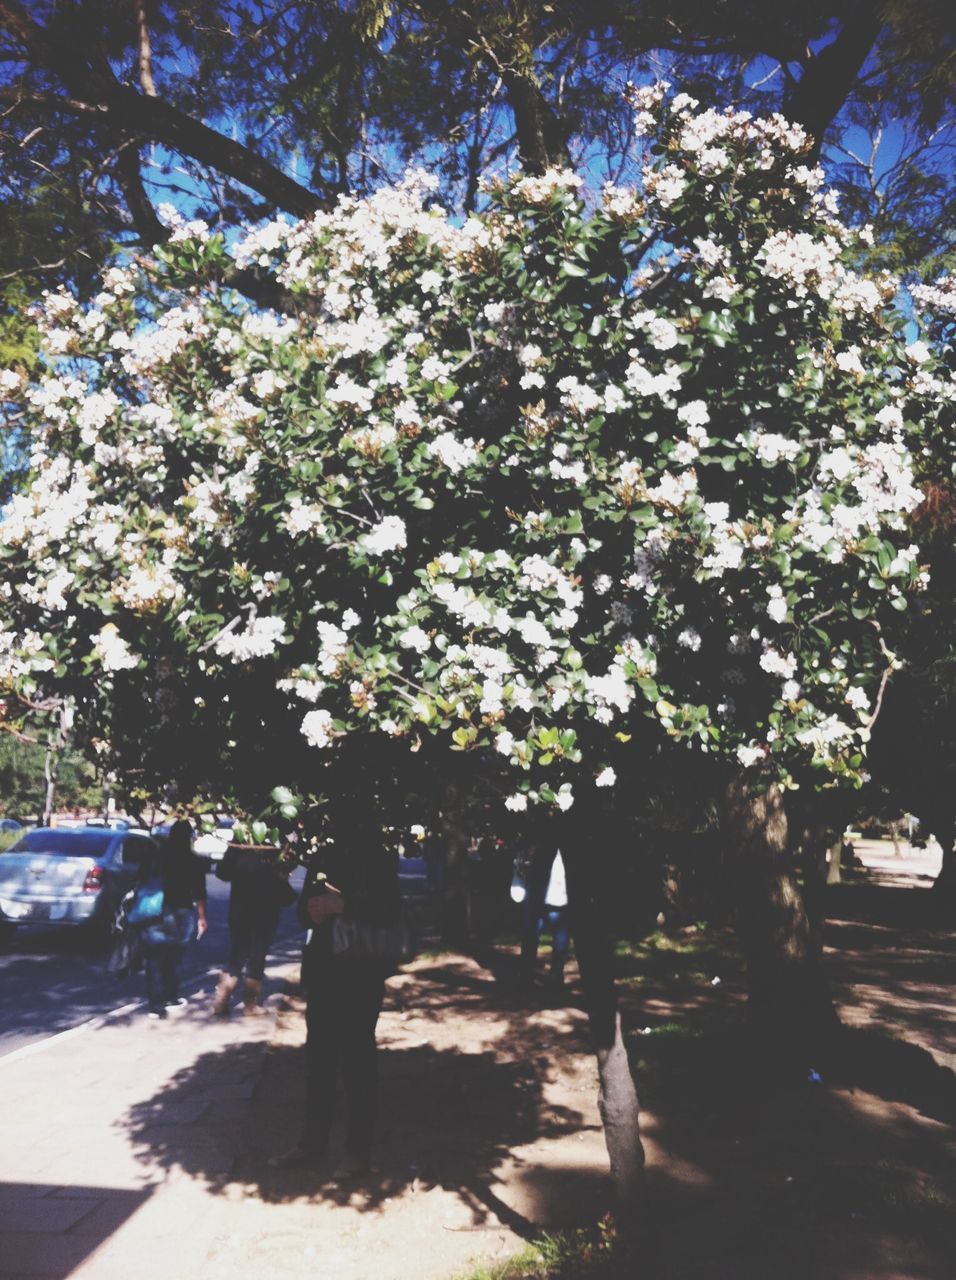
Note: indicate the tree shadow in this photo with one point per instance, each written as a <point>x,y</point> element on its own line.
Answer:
<point>448,1119</point>
<point>751,1177</point>
<point>748,1177</point>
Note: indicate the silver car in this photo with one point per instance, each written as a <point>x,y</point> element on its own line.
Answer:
<point>61,877</point>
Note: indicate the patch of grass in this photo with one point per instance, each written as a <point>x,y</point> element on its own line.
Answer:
<point>7,838</point>
<point>594,1253</point>
<point>433,952</point>
<point>692,956</point>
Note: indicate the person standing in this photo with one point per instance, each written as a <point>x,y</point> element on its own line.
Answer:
<point>184,918</point>
<point>258,892</point>
<point>354,876</point>
<point>545,909</point>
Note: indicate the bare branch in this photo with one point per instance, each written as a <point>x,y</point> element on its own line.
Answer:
<point>17,96</point>
<point>891,665</point>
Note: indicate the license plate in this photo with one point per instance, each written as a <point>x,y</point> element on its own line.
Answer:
<point>26,910</point>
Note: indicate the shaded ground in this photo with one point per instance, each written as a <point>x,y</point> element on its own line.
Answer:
<point>490,1131</point>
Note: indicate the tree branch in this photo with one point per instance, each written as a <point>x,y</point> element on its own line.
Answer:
<point>145,218</point>
<point>129,111</point>
<point>830,74</point>
<point>17,96</point>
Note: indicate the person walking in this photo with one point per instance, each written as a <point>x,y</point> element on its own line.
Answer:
<point>545,909</point>
<point>184,918</point>
<point>258,890</point>
<point>354,877</point>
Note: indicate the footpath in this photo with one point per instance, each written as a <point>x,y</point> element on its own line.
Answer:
<point>137,1148</point>
<point>140,1148</point>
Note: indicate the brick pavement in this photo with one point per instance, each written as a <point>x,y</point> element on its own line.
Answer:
<point>86,1187</point>
<point>139,1148</point>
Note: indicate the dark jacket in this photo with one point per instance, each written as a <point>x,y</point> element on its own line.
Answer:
<point>184,879</point>
<point>256,884</point>
<point>367,877</point>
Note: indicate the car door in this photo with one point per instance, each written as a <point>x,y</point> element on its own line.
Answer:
<point>137,856</point>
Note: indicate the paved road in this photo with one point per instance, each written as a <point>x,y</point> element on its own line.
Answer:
<point>55,979</point>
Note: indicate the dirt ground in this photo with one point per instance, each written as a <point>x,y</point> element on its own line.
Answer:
<point>490,1134</point>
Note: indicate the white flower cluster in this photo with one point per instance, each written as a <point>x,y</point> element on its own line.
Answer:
<point>638,494</point>
<point>258,639</point>
<point>113,651</point>
<point>453,453</point>
<point>543,189</point>
<point>389,534</point>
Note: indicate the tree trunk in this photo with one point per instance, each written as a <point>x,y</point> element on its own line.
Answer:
<point>540,139</point>
<point>50,773</point>
<point>789,1002</point>
<point>945,882</point>
<point>56,741</point>
<point>836,859</point>
<point>895,837</point>
<point>590,914</point>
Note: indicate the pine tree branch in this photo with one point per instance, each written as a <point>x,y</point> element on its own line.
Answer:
<point>126,110</point>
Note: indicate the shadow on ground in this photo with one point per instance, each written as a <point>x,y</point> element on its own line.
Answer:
<point>450,1114</point>
<point>50,1230</point>
<point>852,1177</point>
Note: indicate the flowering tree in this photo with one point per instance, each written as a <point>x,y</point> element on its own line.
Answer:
<point>913,754</point>
<point>549,487</point>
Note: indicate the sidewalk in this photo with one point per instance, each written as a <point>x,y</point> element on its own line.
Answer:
<point>140,1148</point>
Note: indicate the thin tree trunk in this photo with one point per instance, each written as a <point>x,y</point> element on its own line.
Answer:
<point>589,910</point>
<point>789,1005</point>
<point>56,741</point>
<point>50,774</point>
<point>895,837</point>
<point>836,858</point>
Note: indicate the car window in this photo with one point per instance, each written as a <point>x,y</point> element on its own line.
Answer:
<point>76,844</point>
<point>137,851</point>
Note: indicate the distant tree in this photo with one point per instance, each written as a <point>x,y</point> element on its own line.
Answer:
<point>914,747</point>
<point>23,779</point>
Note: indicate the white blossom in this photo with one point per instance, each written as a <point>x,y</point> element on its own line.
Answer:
<point>388,535</point>
<point>258,639</point>
<point>113,651</point>
<point>317,727</point>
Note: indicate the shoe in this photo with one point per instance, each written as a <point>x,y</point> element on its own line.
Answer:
<point>251,995</point>
<point>297,1158</point>
<point>179,1003</point>
<point>155,1015</point>
<point>227,985</point>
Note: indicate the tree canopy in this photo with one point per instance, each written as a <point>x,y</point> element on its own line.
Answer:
<point>240,109</point>
<point>556,486</point>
